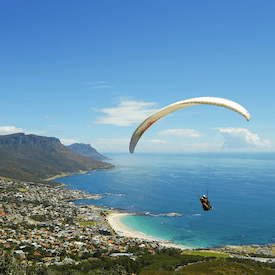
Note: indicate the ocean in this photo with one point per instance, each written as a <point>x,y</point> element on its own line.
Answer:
<point>240,187</point>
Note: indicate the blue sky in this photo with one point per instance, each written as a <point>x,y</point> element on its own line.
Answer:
<point>91,71</point>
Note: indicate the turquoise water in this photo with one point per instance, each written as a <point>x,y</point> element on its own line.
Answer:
<point>241,189</point>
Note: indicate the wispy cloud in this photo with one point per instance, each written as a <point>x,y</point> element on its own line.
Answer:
<point>99,85</point>
<point>96,82</point>
<point>49,117</point>
<point>241,138</point>
<point>234,139</point>
<point>111,144</point>
<point>155,141</point>
<point>6,130</point>
<point>127,113</point>
<point>122,144</point>
<point>181,133</point>
<point>67,142</point>
<point>4,117</point>
<point>113,141</point>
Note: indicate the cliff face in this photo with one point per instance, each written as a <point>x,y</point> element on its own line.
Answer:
<point>42,157</point>
<point>24,146</point>
<point>86,150</point>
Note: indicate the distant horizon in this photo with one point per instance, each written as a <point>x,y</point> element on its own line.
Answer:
<point>175,153</point>
<point>222,150</point>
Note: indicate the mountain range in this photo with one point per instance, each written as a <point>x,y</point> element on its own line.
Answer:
<point>86,150</point>
<point>37,158</point>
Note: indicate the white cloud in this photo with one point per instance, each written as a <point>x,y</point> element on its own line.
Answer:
<point>241,138</point>
<point>96,82</point>
<point>5,130</point>
<point>111,144</point>
<point>101,87</point>
<point>49,117</point>
<point>127,113</point>
<point>234,138</point>
<point>67,142</point>
<point>195,147</point>
<point>154,141</point>
<point>122,145</point>
<point>181,133</point>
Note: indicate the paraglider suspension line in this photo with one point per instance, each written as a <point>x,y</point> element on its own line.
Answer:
<point>194,189</point>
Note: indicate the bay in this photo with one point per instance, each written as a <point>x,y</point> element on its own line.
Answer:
<point>241,188</point>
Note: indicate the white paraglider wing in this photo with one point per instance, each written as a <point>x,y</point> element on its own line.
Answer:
<point>183,104</point>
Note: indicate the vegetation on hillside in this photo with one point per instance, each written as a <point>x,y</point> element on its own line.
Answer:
<point>167,261</point>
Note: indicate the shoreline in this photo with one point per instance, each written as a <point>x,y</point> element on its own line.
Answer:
<point>68,174</point>
<point>114,220</point>
<point>63,175</point>
<point>115,223</point>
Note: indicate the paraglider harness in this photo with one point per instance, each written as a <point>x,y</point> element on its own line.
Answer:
<point>205,203</point>
<point>203,199</point>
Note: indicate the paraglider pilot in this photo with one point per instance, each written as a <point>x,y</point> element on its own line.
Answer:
<point>205,203</point>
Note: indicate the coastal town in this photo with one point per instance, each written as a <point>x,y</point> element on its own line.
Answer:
<point>41,225</point>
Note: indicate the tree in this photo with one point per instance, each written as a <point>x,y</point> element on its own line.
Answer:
<point>9,266</point>
<point>43,270</point>
<point>116,270</point>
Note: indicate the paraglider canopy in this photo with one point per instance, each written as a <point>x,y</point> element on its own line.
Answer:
<point>183,104</point>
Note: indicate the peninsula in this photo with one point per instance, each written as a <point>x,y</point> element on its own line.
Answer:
<point>38,158</point>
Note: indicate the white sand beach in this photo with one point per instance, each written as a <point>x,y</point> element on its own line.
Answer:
<point>114,219</point>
